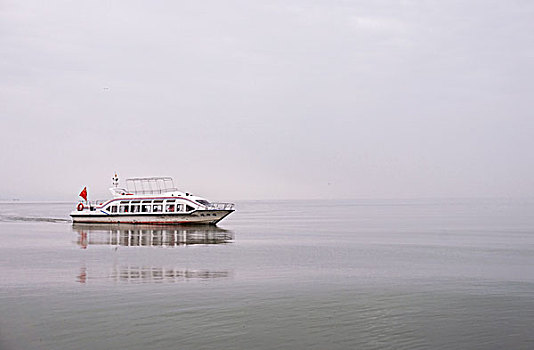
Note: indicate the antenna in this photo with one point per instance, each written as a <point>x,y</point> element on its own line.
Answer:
<point>115,180</point>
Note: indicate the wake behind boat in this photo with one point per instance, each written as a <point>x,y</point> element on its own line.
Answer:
<point>150,200</point>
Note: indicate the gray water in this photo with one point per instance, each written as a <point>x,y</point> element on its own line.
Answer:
<point>397,274</point>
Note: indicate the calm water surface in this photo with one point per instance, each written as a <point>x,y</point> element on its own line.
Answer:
<point>419,274</point>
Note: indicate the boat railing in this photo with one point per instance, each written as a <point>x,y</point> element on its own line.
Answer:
<point>153,191</point>
<point>220,206</point>
<point>87,205</point>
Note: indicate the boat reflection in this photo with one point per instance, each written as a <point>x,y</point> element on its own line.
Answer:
<point>151,274</point>
<point>149,235</point>
<point>162,274</point>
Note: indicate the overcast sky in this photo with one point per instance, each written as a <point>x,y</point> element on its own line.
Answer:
<point>272,99</point>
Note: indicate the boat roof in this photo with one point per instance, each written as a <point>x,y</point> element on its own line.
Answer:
<point>150,185</point>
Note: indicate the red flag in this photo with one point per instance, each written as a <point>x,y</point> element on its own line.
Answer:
<point>83,194</point>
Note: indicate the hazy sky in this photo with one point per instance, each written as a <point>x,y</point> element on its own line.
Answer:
<point>272,99</point>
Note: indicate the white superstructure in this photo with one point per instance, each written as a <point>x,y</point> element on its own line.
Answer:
<point>150,200</point>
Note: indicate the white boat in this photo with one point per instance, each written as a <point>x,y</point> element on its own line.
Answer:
<point>150,200</point>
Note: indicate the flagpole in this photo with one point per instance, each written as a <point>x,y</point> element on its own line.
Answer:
<point>83,194</point>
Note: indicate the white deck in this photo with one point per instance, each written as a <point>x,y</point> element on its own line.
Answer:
<point>199,217</point>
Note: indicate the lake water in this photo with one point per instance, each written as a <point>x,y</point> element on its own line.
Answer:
<point>388,274</point>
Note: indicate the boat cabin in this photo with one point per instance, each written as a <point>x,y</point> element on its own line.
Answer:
<point>147,206</point>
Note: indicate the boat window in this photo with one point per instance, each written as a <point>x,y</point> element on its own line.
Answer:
<point>145,208</point>
<point>147,201</point>
<point>171,200</point>
<point>135,202</point>
<point>203,202</point>
<point>179,207</point>
<point>108,208</point>
<point>189,208</point>
<point>124,202</point>
<point>124,209</point>
<point>157,208</point>
<point>158,201</point>
<point>169,208</point>
<point>114,209</point>
<point>135,208</point>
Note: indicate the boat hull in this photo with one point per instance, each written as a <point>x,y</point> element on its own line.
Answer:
<point>197,217</point>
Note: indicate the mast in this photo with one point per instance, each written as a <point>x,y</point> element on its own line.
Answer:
<point>115,180</point>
